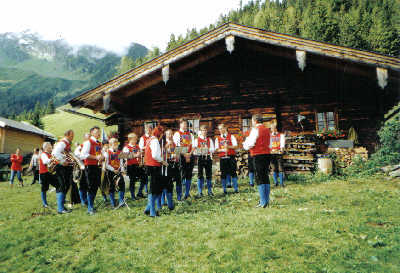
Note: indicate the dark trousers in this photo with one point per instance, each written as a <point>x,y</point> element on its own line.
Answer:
<point>187,168</point>
<point>135,173</point>
<point>250,163</point>
<point>74,193</point>
<point>228,166</point>
<point>93,178</point>
<point>115,181</point>
<point>47,179</point>
<point>156,182</point>
<point>83,182</point>
<point>204,164</point>
<point>174,173</point>
<point>261,165</point>
<point>276,163</point>
<point>64,178</point>
<point>35,171</point>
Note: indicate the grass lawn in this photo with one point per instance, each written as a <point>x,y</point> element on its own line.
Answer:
<point>335,226</point>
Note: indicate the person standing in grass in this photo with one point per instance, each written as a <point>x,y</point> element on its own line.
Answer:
<point>16,167</point>
<point>82,183</point>
<point>133,170</point>
<point>258,144</point>
<point>34,165</point>
<point>142,145</point>
<point>277,144</point>
<point>113,173</point>
<point>204,160</point>
<point>91,154</point>
<point>225,145</point>
<point>184,138</point>
<point>63,169</point>
<point>46,178</point>
<point>172,172</point>
<point>153,161</point>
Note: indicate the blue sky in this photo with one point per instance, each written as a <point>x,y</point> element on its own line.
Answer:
<point>111,24</point>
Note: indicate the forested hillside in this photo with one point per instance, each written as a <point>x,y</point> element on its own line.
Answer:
<point>34,71</point>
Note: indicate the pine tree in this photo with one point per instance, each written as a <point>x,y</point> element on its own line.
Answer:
<point>50,107</point>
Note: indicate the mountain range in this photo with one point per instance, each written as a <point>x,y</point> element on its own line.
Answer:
<point>35,70</point>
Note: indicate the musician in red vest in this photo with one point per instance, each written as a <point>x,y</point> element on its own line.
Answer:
<point>16,167</point>
<point>46,178</point>
<point>133,170</point>
<point>204,163</point>
<point>277,144</point>
<point>184,138</point>
<point>225,145</point>
<point>114,173</point>
<point>153,161</point>
<point>63,169</point>
<point>142,145</point>
<point>83,182</point>
<point>173,173</point>
<point>258,144</point>
<point>92,156</point>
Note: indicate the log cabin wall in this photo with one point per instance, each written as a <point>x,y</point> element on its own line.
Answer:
<point>231,87</point>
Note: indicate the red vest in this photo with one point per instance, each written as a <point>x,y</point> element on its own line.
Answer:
<point>16,162</point>
<point>203,142</point>
<point>262,143</point>
<point>113,159</point>
<point>95,150</point>
<point>223,142</point>
<point>276,142</point>
<point>42,167</point>
<point>145,138</point>
<point>133,149</point>
<point>186,140</point>
<point>148,158</point>
<point>67,145</point>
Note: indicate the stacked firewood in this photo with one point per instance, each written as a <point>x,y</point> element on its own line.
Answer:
<point>241,163</point>
<point>346,156</point>
<point>299,154</point>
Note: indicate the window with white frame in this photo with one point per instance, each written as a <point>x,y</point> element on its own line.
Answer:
<point>326,121</point>
<point>194,125</point>
<point>246,124</point>
<point>153,124</point>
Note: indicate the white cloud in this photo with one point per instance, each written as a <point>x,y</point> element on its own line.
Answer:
<point>111,24</point>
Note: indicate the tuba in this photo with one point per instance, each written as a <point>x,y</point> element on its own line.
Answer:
<point>77,164</point>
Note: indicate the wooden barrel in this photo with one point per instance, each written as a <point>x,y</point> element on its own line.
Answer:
<point>325,165</point>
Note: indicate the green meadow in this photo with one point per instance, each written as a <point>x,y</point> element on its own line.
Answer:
<point>310,226</point>
<point>61,121</point>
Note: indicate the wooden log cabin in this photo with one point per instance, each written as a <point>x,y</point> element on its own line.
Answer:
<point>233,71</point>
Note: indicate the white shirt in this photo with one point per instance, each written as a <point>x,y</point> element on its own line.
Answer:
<point>142,145</point>
<point>251,139</point>
<point>77,151</point>
<point>233,140</point>
<point>177,138</point>
<point>155,149</point>
<point>58,151</point>
<point>45,159</point>
<point>35,158</point>
<point>85,152</point>
<point>196,143</point>
<point>282,140</point>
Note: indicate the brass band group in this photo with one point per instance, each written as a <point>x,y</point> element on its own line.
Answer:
<point>160,158</point>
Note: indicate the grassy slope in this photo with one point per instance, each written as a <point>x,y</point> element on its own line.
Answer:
<point>61,121</point>
<point>338,226</point>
